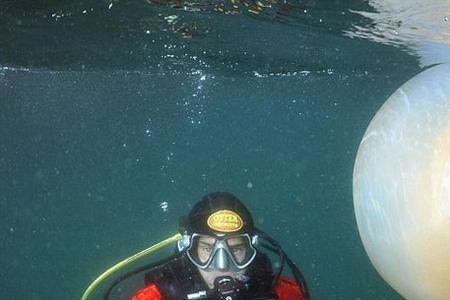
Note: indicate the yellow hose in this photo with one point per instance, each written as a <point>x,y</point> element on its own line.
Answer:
<point>127,261</point>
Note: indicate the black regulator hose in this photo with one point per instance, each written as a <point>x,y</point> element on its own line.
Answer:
<point>276,248</point>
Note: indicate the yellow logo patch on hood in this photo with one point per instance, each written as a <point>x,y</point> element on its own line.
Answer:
<point>225,221</point>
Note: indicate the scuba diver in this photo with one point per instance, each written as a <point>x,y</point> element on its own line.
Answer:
<point>220,257</point>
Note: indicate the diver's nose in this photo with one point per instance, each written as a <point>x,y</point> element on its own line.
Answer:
<point>221,260</point>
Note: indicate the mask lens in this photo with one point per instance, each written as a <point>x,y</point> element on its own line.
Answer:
<point>201,250</point>
<point>241,249</point>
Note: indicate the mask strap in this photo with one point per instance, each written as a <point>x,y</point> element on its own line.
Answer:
<point>184,243</point>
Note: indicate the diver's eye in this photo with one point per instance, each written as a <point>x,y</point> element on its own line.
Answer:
<point>206,249</point>
<point>237,250</point>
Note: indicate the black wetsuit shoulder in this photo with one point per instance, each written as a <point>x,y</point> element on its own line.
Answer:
<point>176,278</point>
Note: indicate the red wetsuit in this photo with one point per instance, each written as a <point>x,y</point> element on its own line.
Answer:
<point>286,289</point>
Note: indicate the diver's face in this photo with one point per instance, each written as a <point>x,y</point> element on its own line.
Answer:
<point>205,248</point>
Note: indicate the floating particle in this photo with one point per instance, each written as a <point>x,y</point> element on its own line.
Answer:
<point>164,206</point>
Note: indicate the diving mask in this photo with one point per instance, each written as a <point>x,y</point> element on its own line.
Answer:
<point>230,252</point>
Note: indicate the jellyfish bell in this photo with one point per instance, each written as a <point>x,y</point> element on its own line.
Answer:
<point>401,187</point>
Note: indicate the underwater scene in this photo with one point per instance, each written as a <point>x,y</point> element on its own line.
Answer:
<point>117,116</point>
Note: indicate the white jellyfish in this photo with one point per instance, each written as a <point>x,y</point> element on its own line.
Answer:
<point>401,187</point>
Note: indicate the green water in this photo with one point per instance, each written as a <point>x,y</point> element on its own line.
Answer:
<point>90,148</point>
